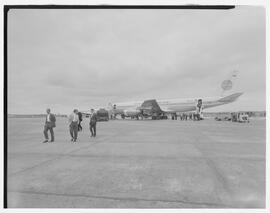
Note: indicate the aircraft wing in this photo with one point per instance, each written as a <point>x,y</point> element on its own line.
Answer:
<point>150,106</point>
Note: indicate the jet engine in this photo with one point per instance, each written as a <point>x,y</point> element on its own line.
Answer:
<point>130,113</point>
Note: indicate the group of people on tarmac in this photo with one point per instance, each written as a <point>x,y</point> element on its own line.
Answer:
<point>190,116</point>
<point>195,116</point>
<point>240,117</point>
<point>74,120</point>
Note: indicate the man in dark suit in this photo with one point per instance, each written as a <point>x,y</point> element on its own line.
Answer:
<point>93,123</point>
<point>73,125</point>
<point>49,125</point>
<point>80,120</point>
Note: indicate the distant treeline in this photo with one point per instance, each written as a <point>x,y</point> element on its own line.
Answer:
<point>32,116</point>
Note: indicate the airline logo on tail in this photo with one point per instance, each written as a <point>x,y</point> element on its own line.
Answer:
<point>227,85</point>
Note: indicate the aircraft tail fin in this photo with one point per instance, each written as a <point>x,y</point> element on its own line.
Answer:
<point>110,106</point>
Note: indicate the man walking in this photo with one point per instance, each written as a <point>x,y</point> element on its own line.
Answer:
<point>80,120</point>
<point>93,123</point>
<point>73,125</point>
<point>49,125</point>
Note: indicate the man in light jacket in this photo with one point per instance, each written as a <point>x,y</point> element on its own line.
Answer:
<point>73,125</point>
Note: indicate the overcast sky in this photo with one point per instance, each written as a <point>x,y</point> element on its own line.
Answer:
<point>66,59</point>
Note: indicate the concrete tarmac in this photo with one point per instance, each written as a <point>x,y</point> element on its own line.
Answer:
<point>137,164</point>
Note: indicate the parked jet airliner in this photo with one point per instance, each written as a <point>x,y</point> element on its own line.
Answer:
<point>148,107</point>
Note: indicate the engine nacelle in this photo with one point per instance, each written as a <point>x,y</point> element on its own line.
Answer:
<point>130,113</point>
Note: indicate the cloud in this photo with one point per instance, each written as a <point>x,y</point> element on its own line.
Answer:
<point>92,57</point>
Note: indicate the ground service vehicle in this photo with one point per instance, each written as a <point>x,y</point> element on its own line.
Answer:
<point>102,115</point>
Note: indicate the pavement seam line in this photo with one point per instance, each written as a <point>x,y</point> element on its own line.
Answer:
<point>121,198</point>
<point>61,156</point>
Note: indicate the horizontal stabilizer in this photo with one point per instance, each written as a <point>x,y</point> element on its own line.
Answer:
<point>230,98</point>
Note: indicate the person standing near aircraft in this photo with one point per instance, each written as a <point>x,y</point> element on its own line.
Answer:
<point>93,123</point>
<point>73,125</point>
<point>49,125</point>
<point>199,109</point>
<point>190,116</point>
<point>80,120</point>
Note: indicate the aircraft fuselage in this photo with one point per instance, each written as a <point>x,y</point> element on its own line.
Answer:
<point>174,105</point>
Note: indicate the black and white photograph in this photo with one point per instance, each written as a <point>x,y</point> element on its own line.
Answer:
<point>135,106</point>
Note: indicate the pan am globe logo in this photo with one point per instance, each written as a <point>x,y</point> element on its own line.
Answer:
<point>226,85</point>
